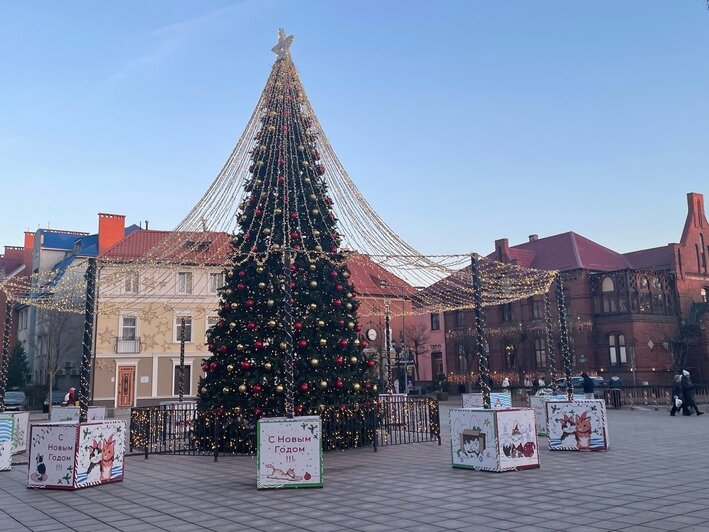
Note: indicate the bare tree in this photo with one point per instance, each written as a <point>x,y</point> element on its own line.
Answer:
<point>58,338</point>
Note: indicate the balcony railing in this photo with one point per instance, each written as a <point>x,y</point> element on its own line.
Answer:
<point>128,345</point>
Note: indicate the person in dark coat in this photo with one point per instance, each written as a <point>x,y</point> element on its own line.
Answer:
<point>688,395</point>
<point>587,383</point>
<point>535,386</point>
<point>676,392</point>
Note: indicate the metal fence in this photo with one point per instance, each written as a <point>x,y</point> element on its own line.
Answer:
<point>182,429</point>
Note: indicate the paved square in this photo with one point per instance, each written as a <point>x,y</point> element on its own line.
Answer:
<point>655,477</point>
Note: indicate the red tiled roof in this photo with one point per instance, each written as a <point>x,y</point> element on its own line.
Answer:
<point>171,246</point>
<point>651,259</point>
<point>567,251</point>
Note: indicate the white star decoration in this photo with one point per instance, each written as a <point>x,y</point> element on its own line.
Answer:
<point>282,48</point>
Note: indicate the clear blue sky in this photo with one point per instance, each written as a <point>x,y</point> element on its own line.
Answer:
<point>460,121</point>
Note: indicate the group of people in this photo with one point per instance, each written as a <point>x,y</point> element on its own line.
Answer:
<point>683,395</point>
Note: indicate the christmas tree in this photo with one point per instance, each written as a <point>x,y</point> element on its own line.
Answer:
<point>287,338</point>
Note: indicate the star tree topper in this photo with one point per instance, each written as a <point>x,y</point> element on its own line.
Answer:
<point>282,48</point>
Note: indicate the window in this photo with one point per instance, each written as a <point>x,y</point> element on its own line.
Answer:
<point>187,380</point>
<point>216,281</point>
<point>462,359</point>
<point>540,352</point>
<point>705,295</point>
<point>510,354</point>
<point>131,286</point>
<point>537,309</point>
<point>178,326</point>
<point>459,319</point>
<point>507,312</point>
<point>129,326</point>
<point>644,295</point>
<point>184,283</point>
<point>22,319</point>
<point>211,322</point>
<point>435,322</point>
<point>610,301</point>
<point>616,350</point>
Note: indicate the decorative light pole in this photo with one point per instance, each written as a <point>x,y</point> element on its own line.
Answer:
<point>5,352</point>
<point>483,359</point>
<point>181,383</point>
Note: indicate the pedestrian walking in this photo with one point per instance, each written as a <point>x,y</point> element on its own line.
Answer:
<point>535,386</point>
<point>587,383</point>
<point>676,395</point>
<point>688,395</point>
<point>70,397</point>
<point>615,384</point>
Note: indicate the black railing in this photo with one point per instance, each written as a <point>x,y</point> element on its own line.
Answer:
<point>128,345</point>
<point>182,429</point>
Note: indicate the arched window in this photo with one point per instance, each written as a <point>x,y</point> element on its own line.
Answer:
<point>610,299</point>
<point>463,358</point>
<point>658,297</point>
<point>644,295</point>
<point>616,350</point>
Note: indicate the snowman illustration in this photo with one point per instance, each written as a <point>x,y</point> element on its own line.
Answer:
<point>40,474</point>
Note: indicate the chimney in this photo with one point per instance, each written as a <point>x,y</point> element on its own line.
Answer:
<point>111,229</point>
<point>29,246</point>
<point>533,238</point>
<point>695,206</point>
<point>502,250</point>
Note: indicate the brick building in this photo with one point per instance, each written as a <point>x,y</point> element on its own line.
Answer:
<point>638,315</point>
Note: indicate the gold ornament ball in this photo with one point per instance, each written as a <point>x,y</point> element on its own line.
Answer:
<point>279,388</point>
<point>266,231</point>
<point>313,197</point>
<point>321,323</point>
<point>374,387</point>
<point>272,128</point>
<point>258,182</point>
<point>348,294</point>
<point>301,148</point>
<point>230,368</point>
<point>230,274</point>
<point>270,302</point>
<point>346,274</point>
<point>356,386</point>
<point>356,342</point>
<point>225,390</point>
<point>318,248</point>
<point>268,365</point>
<point>234,306</point>
<point>323,385</point>
<point>316,232</point>
<point>229,291</point>
<point>322,408</point>
<point>239,347</point>
<point>306,163</point>
<point>259,163</point>
<point>323,341</point>
<point>348,306</point>
<point>312,267</point>
<point>313,284</point>
<point>353,360</point>
<point>313,306</point>
<point>306,180</point>
<point>283,345</point>
<point>204,389</point>
<point>232,325</point>
<point>259,269</point>
<point>242,388</point>
<point>351,325</point>
<point>271,323</point>
<point>262,285</point>
<point>278,211</point>
<point>272,113</point>
<point>314,212</point>
<point>275,246</point>
<point>262,147</point>
<point>314,361</point>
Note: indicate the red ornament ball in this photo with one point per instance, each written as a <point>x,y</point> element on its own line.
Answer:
<point>241,286</point>
<point>294,216</point>
<point>245,364</point>
<point>339,384</point>
<point>205,368</point>
<point>242,274</point>
<point>363,344</point>
<point>339,360</point>
<point>337,302</point>
<point>257,412</point>
<point>304,387</point>
<point>298,409</point>
<point>302,342</point>
<point>223,349</point>
<point>307,476</point>
<point>294,235</point>
<point>213,366</point>
<point>291,266</point>
<point>258,344</point>
<point>334,274</point>
<point>343,342</point>
<point>339,287</point>
<point>251,326</point>
<point>256,388</point>
<point>371,362</point>
<point>358,328</point>
<point>297,325</point>
<point>249,302</point>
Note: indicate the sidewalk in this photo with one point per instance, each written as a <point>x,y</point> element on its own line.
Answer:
<point>655,477</point>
